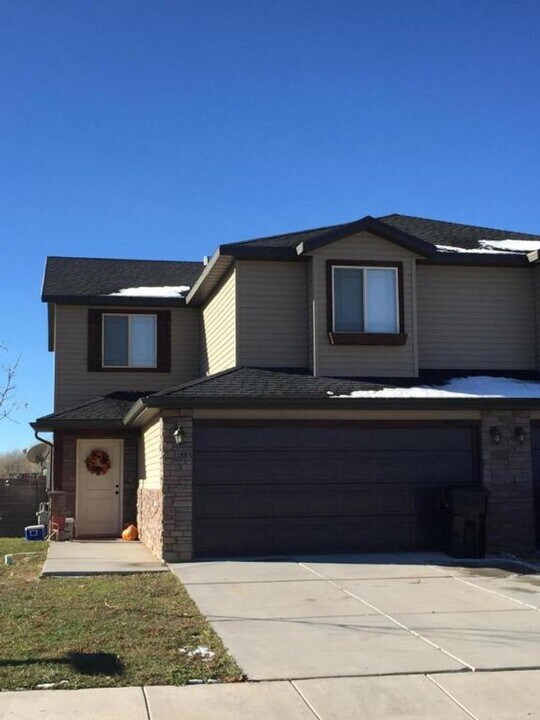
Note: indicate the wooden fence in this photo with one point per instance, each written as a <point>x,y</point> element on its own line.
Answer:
<point>19,501</point>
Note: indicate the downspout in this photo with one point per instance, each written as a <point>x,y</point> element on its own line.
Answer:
<point>51,470</point>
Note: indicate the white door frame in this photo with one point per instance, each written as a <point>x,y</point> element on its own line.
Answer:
<point>121,473</point>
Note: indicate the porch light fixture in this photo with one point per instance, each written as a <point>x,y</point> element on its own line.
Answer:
<point>495,434</point>
<point>178,435</point>
<point>519,432</point>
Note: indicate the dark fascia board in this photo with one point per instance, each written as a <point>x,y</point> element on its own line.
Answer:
<point>333,403</point>
<point>50,326</point>
<point>111,301</point>
<point>52,425</point>
<point>377,227</point>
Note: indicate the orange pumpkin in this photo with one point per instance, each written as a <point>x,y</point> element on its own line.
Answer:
<point>130,533</point>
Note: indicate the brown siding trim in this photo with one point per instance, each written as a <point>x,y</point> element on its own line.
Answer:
<point>369,338</point>
<point>95,338</point>
<point>338,338</point>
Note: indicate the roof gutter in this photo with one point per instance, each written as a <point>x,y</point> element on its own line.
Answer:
<point>52,425</point>
<point>112,300</point>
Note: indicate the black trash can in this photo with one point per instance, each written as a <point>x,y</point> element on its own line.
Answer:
<point>465,521</point>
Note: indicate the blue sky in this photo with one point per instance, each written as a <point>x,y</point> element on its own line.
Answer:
<point>153,129</point>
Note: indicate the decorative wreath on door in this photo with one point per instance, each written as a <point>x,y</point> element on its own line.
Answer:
<point>98,462</point>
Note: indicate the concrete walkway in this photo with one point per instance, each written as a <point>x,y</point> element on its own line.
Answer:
<point>97,557</point>
<point>304,618</point>
<point>454,696</point>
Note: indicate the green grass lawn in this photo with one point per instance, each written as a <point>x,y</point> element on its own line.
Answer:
<point>100,631</point>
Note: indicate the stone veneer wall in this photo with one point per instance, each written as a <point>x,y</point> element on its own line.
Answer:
<point>150,518</point>
<point>177,489</point>
<point>507,475</point>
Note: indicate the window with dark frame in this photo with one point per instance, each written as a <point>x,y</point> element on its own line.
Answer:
<point>365,303</point>
<point>129,340</point>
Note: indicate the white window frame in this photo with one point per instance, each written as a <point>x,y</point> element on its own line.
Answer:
<point>128,316</point>
<point>364,268</point>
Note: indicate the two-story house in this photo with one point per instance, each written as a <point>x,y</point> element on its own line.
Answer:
<point>308,392</point>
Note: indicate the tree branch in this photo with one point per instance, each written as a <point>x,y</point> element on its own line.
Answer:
<point>8,402</point>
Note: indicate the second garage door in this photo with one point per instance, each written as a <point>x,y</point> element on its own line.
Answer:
<point>278,488</point>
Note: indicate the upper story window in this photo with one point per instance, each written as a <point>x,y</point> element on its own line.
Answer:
<point>129,341</point>
<point>365,303</point>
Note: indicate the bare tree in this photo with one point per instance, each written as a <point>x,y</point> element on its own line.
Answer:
<point>8,401</point>
<point>15,462</point>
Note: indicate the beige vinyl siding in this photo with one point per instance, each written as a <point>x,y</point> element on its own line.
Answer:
<point>477,318</point>
<point>218,317</point>
<point>365,360</point>
<point>74,384</point>
<point>151,456</point>
<point>272,314</point>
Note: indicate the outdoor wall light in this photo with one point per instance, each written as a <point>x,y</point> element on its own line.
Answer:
<point>519,432</point>
<point>178,435</point>
<point>495,434</point>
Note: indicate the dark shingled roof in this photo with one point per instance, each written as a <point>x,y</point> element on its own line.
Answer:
<point>272,387</point>
<point>438,232</point>
<point>70,279</point>
<point>92,280</point>
<point>296,383</point>
<point>107,410</point>
<point>287,240</point>
<point>434,232</point>
<point>266,382</point>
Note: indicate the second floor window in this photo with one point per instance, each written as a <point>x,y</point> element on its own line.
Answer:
<point>365,299</point>
<point>129,341</point>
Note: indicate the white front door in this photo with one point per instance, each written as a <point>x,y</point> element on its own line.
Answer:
<point>99,487</point>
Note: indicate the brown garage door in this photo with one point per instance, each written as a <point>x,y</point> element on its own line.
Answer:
<point>263,488</point>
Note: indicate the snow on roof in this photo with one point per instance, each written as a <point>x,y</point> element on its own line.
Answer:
<point>480,386</point>
<point>172,291</point>
<point>474,251</point>
<point>512,245</point>
<point>495,247</point>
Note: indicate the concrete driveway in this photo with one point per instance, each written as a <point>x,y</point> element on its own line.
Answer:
<point>393,637</point>
<point>355,616</point>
